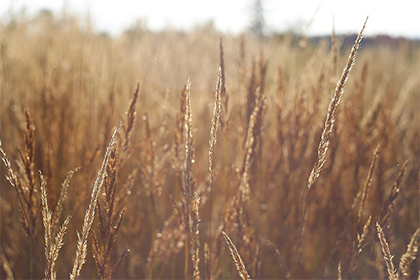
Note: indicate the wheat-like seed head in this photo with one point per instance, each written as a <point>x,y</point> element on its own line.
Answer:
<point>240,266</point>
<point>81,249</point>
<point>215,122</point>
<point>392,273</point>
<point>325,140</point>
<point>6,266</point>
<point>410,255</point>
<point>52,247</point>
<point>63,195</point>
<point>131,117</point>
<point>190,188</point>
<point>46,218</point>
<point>332,108</point>
<point>367,184</point>
<point>339,271</point>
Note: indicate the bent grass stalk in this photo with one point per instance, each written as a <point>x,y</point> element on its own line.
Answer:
<point>240,266</point>
<point>81,249</point>
<point>325,137</point>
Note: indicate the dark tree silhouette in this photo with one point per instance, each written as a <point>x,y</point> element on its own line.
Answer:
<point>257,23</point>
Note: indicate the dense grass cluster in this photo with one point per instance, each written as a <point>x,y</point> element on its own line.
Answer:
<point>192,155</point>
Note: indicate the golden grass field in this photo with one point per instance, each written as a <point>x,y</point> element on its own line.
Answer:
<point>112,168</point>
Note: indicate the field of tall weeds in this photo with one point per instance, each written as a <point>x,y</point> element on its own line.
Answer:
<point>198,155</point>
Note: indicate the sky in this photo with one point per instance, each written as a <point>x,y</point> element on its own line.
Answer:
<point>391,17</point>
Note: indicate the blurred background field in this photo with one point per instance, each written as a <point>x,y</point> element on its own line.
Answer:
<point>69,85</point>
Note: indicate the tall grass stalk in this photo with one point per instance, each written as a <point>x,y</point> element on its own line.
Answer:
<point>325,138</point>
<point>81,250</point>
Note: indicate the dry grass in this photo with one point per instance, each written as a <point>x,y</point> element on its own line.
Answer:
<point>392,272</point>
<point>408,259</point>
<point>297,191</point>
<point>240,266</point>
<point>81,249</point>
<point>324,143</point>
